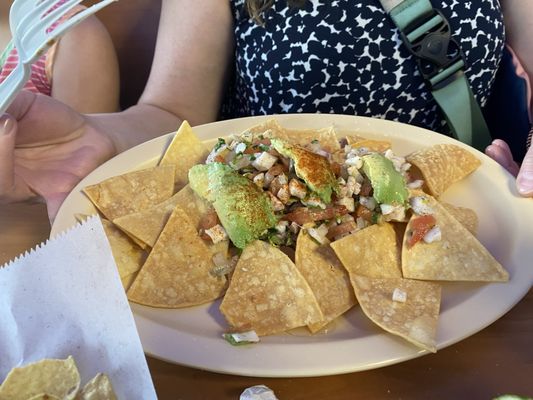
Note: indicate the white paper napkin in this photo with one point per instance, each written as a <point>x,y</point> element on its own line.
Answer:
<point>65,298</point>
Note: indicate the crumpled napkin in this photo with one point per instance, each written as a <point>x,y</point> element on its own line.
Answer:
<point>258,392</point>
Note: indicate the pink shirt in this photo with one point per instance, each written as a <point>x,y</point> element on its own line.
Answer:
<point>40,80</point>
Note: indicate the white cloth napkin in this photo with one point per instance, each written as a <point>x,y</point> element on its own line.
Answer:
<point>65,298</point>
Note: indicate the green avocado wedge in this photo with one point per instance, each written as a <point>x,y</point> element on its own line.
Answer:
<point>313,168</point>
<point>245,210</point>
<point>388,184</point>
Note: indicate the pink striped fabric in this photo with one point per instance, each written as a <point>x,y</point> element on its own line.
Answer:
<point>40,79</point>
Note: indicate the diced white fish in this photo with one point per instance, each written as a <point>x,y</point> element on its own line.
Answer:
<point>433,235</point>
<point>217,233</point>
<point>420,205</point>
<point>319,233</point>
<point>264,161</point>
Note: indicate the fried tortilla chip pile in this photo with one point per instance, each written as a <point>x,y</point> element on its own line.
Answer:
<point>342,222</point>
<point>54,379</point>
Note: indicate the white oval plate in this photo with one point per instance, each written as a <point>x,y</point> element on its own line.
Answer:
<point>192,336</point>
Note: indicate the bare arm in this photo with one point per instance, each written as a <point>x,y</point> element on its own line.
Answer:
<point>188,76</point>
<point>47,147</point>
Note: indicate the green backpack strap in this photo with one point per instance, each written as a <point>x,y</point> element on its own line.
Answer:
<point>427,35</point>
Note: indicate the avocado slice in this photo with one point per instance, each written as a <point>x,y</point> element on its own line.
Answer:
<point>245,211</point>
<point>388,184</point>
<point>198,180</point>
<point>313,168</point>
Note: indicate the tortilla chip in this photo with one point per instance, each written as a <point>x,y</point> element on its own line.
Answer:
<point>327,137</point>
<point>326,276</point>
<point>442,165</point>
<point>358,142</point>
<point>466,216</point>
<point>268,294</point>
<point>56,378</point>
<point>458,256</point>
<point>128,256</point>
<point>132,192</point>
<point>269,128</point>
<point>98,388</point>
<point>128,280</point>
<point>415,319</point>
<point>178,270</point>
<point>147,225</point>
<point>184,151</point>
<point>371,251</point>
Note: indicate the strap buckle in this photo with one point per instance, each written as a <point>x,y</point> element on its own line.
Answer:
<point>438,55</point>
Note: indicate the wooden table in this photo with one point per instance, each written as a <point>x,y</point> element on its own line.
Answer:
<point>495,361</point>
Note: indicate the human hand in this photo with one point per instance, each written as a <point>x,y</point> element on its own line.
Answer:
<point>499,151</point>
<point>46,148</point>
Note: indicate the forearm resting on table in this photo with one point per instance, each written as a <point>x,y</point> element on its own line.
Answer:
<point>135,125</point>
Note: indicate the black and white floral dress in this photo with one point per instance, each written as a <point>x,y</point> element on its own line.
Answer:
<point>346,57</point>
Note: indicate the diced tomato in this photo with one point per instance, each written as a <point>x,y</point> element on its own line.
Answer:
<point>303,215</point>
<point>208,220</point>
<point>256,147</point>
<point>336,168</point>
<point>341,229</point>
<point>275,186</point>
<point>364,213</point>
<point>366,188</point>
<point>264,141</point>
<point>419,227</point>
<point>277,169</point>
<point>219,158</point>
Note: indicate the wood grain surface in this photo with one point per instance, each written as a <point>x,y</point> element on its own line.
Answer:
<point>495,361</point>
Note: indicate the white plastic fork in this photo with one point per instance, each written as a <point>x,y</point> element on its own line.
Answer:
<point>29,21</point>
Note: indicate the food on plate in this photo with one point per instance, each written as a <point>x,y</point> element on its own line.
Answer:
<point>388,184</point>
<point>268,300</point>
<point>178,270</point>
<point>53,379</point>
<point>442,165</point>
<point>313,169</point>
<point>128,256</point>
<point>327,137</point>
<point>147,224</point>
<point>293,228</point>
<point>245,211</point>
<point>358,142</point>
<point>132,192</point>
<point>452,254</point>
<point>404,307</point>
<point>466,216</point>
<point>184,151</point>
<point>327,278</point>
<point>363,250</point>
